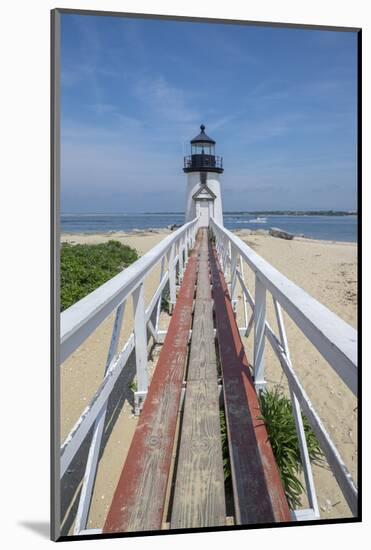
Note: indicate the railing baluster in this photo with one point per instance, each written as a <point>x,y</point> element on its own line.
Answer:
<point>172,276</point>
<point>243,295</point>
<point>259,334</point>
<point>224,255</point>
<point>220,250</point>
<point>249,326</point>
<point>233,268</point>
<point>186,248</point>
<point>217,241</point>
<point>140,335</point>
<point>95,445</point>
<point>180,254</point>
<point>158,311</point>
<point>308,474</point>
<point>228,260</point>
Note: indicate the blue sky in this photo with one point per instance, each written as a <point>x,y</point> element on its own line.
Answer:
<point>280,103</point>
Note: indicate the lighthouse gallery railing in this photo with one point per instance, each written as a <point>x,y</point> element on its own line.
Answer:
<point>332,337</point>
<point>81,319</point>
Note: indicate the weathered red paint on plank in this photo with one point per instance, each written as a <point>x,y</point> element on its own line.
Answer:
<point>258,493</point>
<point>138,502</point>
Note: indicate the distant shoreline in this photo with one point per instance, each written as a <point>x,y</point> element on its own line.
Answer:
<point>231,212</point>
<point>342,228</point>
<point>298,213</point>
<point>68,236</point>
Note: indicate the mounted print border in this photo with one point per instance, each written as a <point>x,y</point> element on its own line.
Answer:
<point>188,332</point>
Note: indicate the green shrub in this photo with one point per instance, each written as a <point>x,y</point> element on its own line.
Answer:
<point>85,267</point>
<point>165,299</point>
<point>277,414</point>
<point>133,386</point>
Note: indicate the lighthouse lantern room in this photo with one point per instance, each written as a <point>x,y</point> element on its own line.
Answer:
<point>203,169</point>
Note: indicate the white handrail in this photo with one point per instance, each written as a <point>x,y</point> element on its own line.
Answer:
<point>82,318</point>
<point>333,337</point>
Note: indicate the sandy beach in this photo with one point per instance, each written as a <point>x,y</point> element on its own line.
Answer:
<point>326,270</point>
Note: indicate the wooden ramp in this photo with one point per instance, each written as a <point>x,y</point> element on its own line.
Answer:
<point>199,499</point>
<point>197,480</point>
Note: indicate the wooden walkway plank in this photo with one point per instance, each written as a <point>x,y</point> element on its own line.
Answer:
<point>138,502</point>
<point>258,493</point>
<point>202,359</point>
<point>203,283</point>
<point>199,499</point>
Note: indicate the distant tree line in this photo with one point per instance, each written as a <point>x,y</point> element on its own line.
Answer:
<point>298,212</point>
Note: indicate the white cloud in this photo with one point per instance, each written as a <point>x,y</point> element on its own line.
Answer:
<point>165,101</point>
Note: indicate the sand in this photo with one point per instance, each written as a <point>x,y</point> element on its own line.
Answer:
<point>326,270</point>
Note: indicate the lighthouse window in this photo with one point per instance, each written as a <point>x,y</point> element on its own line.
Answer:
<point>202,148</point>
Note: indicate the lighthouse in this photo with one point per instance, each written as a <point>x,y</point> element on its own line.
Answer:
<point>203,169</point>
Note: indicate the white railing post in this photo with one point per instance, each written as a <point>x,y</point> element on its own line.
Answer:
<point>192,237</point>
<point>224,250</point>
<point>300,431</point>
<point>217,241</point>
<point>186,247</point>
<point>158,311</point>
<point>140,335</point>
<point>172,276</point>
<point>233,278</point>
<point>95,445</point>
<point>180,255</point>
<point>220,249</point>
<point>259,334</point>
<point>243,295</point>
<point>228,260</point>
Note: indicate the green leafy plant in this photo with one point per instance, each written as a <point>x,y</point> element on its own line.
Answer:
<point>133,387</point>
<point>85,267</point>
<point>276,411</point>
<point>165,299</point>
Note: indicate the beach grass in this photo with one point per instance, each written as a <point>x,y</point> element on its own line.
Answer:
<point>84,267</point>
<point>278,417</point>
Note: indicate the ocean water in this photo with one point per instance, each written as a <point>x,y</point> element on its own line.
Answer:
<point>333,228</point>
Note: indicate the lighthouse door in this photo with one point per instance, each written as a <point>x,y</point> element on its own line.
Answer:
<point>202,209</point>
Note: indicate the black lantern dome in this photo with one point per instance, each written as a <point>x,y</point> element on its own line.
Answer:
<point>202,138</point>
<point>203,157</point>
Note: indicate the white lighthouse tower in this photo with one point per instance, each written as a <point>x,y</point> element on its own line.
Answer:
<point>203,171</point>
